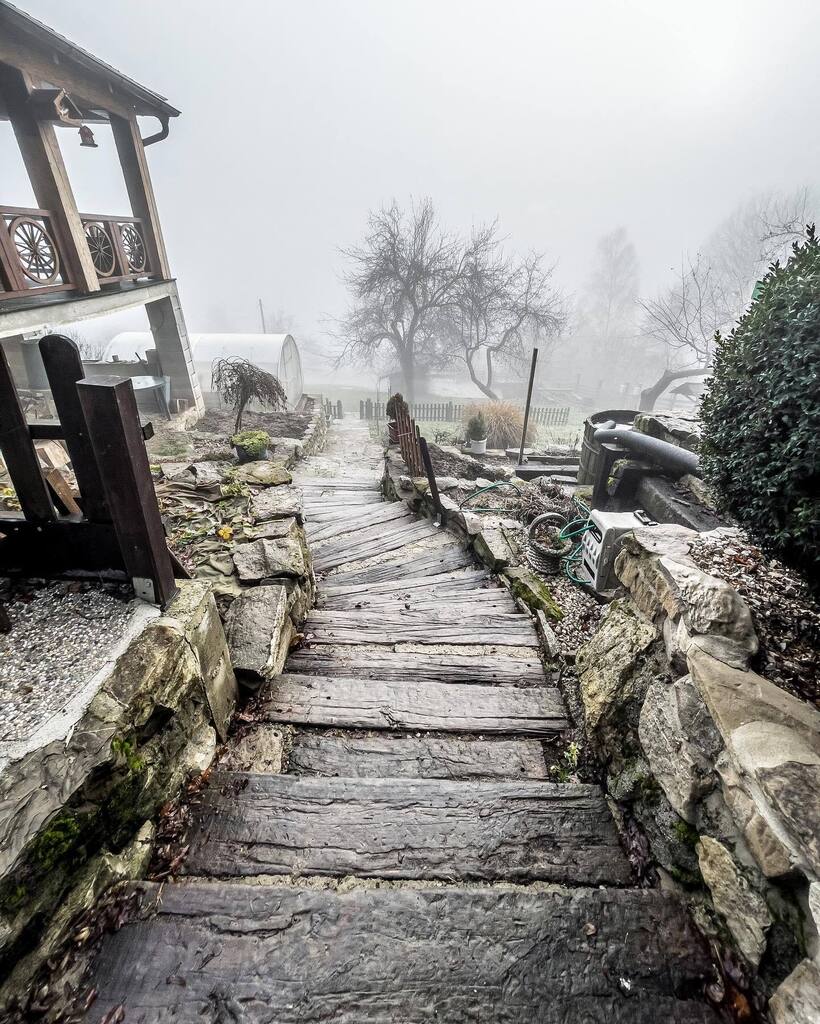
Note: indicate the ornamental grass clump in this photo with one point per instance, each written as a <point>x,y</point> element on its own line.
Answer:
<point>761,413</point>
<point>504,421</point>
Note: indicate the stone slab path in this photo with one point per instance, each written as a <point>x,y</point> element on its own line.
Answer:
<point>414,863</point>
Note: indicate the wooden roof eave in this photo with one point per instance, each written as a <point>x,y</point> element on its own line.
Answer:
<point>51,59</point>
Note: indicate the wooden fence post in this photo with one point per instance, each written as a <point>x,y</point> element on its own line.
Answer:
<point>110,410</point>
<point>431,477</point>
<point>339,412</point>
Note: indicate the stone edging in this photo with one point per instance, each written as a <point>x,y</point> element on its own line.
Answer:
<point>493,539</point>
<point>720,766</point>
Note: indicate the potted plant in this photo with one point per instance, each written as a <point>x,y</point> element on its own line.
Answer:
<point>477,434</point>
<point>251,445</point>
<point>547,544</point>
<point>392,409</point>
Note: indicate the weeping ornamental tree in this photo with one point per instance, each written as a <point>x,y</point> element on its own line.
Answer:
<point>761,413</point>
<point>239,381</point>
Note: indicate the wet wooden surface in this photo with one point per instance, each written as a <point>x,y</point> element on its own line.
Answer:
<point>242,954</point>
<point>448,707</point>
<point>405,828</point>
<point>384,755</point>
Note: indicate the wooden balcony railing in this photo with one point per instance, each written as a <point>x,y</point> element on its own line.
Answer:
<point>32,253</point>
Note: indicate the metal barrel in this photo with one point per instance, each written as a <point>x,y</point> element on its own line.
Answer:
<point>590,448</point>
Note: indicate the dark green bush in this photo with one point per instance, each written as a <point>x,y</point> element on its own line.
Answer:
<point>761,413</point>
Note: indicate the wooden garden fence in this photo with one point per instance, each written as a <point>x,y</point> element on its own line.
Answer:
<point>453,412</point>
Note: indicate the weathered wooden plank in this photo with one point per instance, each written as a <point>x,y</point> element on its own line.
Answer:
<point>338,483</point>
<point>496,617</point>
<point>469,632</point>
<point>387,755</point>
<point>332,555</point>
<point>364,532</point>
<point>319,531</point>
<point>209,951</point>
<point>461,578</point>
<point>520,831</point>
<point>465,600</point>
<point>469,604</point>
<point>443,560</point>
<point>341,501</point>
<point>436,707</point>
<point>435,668</point>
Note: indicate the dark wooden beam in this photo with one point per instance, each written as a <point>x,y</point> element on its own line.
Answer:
<point>63,546</point>
<point>64,368</point>
<point>49,179</point>
<point>110,410</point>
<point>140,190</point>
<point>18,451</point>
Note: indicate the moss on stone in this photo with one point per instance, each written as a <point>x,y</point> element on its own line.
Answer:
<point>686,833</point>
<point>527,587</point>
<point>57,839</point>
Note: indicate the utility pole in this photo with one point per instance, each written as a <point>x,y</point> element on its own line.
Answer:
<point>262,317</point>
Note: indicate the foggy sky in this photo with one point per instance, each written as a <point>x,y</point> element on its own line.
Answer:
<point>564,120</point>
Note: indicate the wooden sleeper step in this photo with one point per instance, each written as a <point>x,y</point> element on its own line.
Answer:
<point>522,831</point>
<point>389,755</point>
<point>203,952</point>
<point>411,706</point>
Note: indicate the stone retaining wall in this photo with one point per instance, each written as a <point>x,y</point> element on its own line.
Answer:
<point>71,805</point>
<point>719,767</point>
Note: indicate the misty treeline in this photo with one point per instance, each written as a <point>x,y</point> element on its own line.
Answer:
<point>425,298</point>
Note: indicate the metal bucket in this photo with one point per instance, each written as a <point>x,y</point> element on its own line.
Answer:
<point>590,448</point>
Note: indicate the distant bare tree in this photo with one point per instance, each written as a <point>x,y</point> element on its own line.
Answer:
<point>713,290</point>
<point>684,320</point>
<point>611,297</point>
<point>402,278</point>
<point>502,305</point>
<point>89,350</point>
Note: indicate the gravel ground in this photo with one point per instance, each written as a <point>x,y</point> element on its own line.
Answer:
<point>60,636</point>
<point>786,617</point>
<point>582,613</point>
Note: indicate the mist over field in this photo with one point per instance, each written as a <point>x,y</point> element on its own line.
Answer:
<point>616,140</point>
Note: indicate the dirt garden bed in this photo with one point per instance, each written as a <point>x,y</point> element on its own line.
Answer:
<point>786,617</point>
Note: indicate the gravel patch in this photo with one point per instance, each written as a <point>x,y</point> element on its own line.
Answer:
<point>582,613</point>
<point>61,634</point>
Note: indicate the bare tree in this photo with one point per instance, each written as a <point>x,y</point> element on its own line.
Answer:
<point>611,299</point>
<point>502,305</point>
<point>754,235</point>
<point>402,278</point>
<point>89,350</point>
<point>713,290</point>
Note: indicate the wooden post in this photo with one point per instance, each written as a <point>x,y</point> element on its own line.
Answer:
<point>527,406</point>
<point>64,368</point>
<point>19,453</point>
<point>431,477</point>
<point>339,411</point>
<point>140,190</point>
<point>46,171</point>
<point>110,410</point>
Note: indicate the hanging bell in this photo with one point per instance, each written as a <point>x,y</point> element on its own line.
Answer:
<point>87,137</point>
